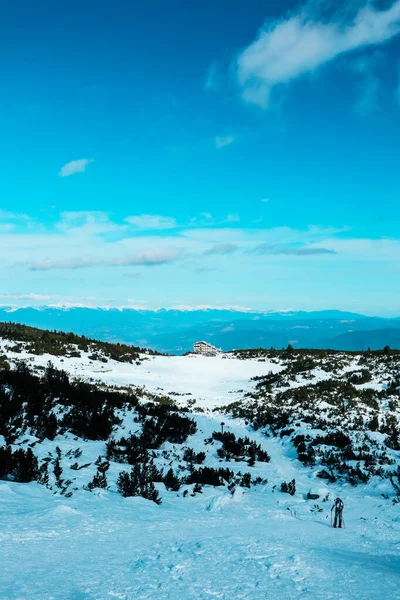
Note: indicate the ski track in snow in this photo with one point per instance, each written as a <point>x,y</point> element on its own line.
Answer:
<point>257,544</point>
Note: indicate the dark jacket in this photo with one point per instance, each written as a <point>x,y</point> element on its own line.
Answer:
<point>338,505</point>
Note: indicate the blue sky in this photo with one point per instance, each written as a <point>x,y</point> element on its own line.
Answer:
<point>222,153</point>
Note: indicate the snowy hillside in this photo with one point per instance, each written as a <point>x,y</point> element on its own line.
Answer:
<point>129,475</point>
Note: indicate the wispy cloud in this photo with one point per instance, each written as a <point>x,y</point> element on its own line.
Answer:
<point>265,200</point>
<point>305,251</point>
<point>204,219</point>
<point>212,77</point>
<point>6,215</point>
<point>222,249</point>
<point>369,85</point>
<point>152,222</point>
<point>304,41</point>
<point>87,223</point>
<point>368,99</point>
<point>262,249</point>
<point>47,299</point>
<point>75,166</point>
<point>75,263</point>
<point>222,141</point>
<point>204,270</point>
<point>9,221</point>
<point>27,296</point>
<point>158,256</point>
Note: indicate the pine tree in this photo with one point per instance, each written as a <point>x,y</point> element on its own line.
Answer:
<point>57,471</point>
<point>289,488</point>
<point>171,481</point>
<point>99,481</point>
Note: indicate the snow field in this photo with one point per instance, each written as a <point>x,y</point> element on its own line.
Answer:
<point>256,544</point>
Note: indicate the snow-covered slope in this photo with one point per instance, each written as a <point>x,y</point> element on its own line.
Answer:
<point>255,544</point>
<point>61,541</point>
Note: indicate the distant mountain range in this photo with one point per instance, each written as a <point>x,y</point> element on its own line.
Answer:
<point>176,330</point>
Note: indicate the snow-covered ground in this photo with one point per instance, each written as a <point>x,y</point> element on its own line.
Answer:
<point>211,381</point>
<point>256,544</point>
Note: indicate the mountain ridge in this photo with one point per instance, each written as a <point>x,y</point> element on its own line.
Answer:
<point>174,330</point>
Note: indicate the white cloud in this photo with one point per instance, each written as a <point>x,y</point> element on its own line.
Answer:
<point>265,200</point>
<point>156,256</point>
<point>222,141</point>
<point>152,222</point>
<point>27,296</point>
<point>54,300</point>
<point>87,223</point>
<point>222,249</point>
<point>303,42</point>
<point>74,263</point>
<point>11,216</point>
<point>294,250</point>
<point>152,257</point>
<point>232,218</point>
<point>204,219</point>
<point>75,166</point>
<point>10,221</point>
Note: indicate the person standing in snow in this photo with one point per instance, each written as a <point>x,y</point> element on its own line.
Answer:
<point>338,506</point>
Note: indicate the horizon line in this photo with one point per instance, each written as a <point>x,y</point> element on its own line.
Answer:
<point>10,308</point>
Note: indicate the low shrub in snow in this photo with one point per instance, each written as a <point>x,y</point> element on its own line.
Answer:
<point>138,482</point>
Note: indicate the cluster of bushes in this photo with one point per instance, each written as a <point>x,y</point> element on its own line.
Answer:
<point>27,402</point>
<point>222,476</point>
<point>59,343</point>
<point>239,448</point>
<point>168,426</point>
<point>20,465</point>
<point>192,457</point>
<point>359,377</point>
<point>289,488</point>
<point>290,353</point>
<point>337,414</point>
<point>139,482</point>
<point>210,476</point>
<point>301,365</point>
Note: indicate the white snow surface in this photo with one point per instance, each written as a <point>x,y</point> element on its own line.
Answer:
<point>257,544</point>
<point>211,381</point>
